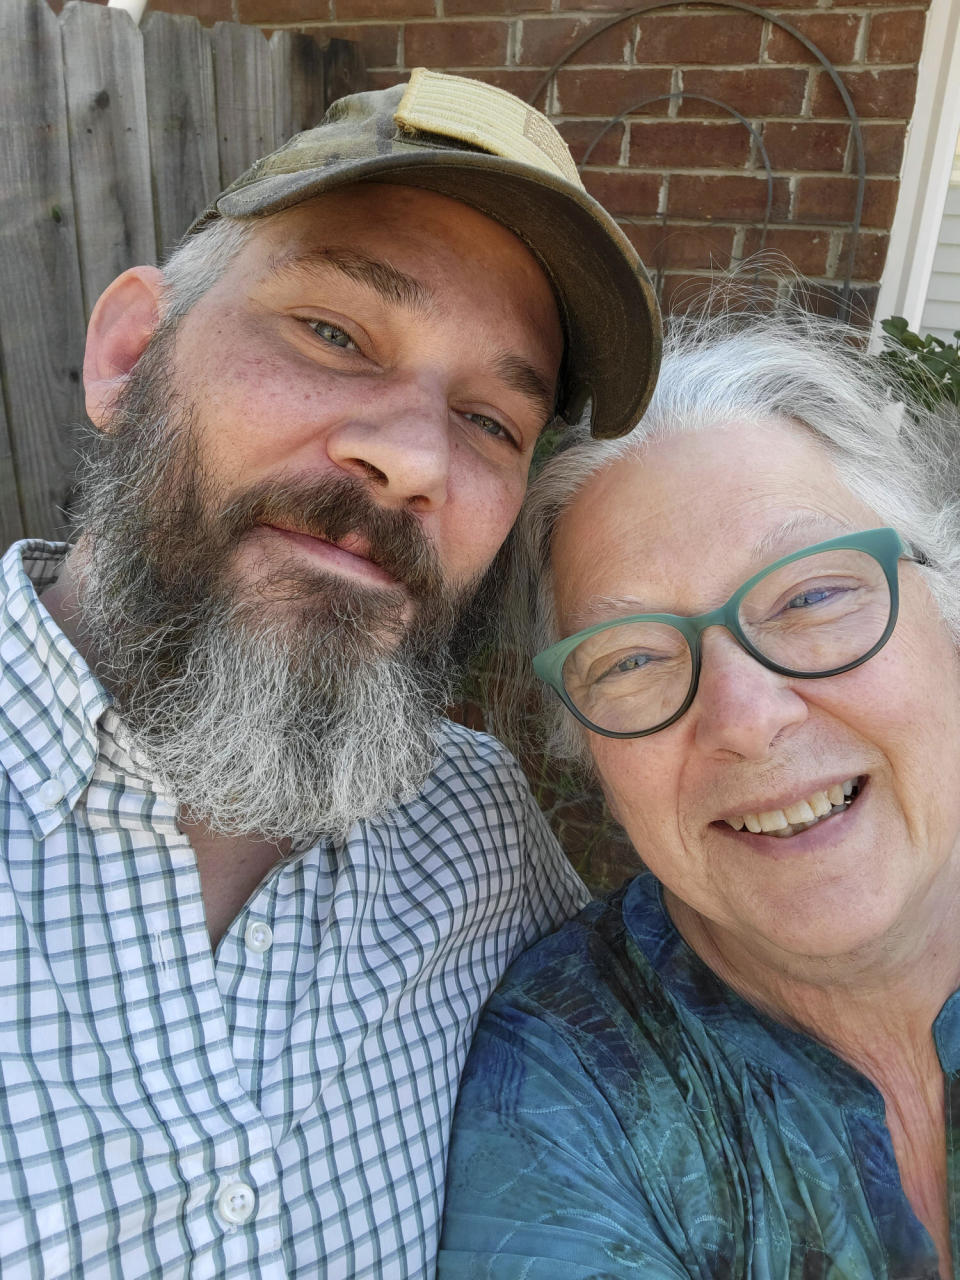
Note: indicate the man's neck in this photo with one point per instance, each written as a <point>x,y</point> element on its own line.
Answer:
<point>231,868</point>
<point>60,601</point>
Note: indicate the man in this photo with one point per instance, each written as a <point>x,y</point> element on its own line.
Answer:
<point>254,889</point>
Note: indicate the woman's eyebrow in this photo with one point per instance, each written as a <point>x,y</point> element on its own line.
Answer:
<point>605,609</point>
<point>390,283</point>
<point>812,524</point>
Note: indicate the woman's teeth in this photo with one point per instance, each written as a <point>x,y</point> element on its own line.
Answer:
<point>799,816</point>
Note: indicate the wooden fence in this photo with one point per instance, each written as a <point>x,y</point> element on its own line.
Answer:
<point>114,138</point>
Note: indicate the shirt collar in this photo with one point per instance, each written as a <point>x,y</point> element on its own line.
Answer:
<point>698,990</point>
<point>50,700</point>
<point>946,1035</point>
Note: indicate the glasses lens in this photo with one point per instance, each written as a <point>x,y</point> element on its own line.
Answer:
<point>818,613</point>
<point>629,677</point>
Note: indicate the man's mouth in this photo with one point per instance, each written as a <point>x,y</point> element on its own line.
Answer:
<point>351,553</point>
<point>804,813</point>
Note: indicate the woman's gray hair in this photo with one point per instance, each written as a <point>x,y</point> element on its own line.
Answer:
<point>894,455</point>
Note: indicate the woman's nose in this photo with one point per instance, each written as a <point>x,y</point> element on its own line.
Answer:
<point>741,706</point>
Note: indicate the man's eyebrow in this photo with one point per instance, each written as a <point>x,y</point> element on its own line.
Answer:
<point>390,283</point>
<point>521,376</point>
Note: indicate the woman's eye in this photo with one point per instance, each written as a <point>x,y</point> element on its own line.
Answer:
<point>624,666</point>
<point>814,595</point>
<point>333,334</point>
<point>633,663</point>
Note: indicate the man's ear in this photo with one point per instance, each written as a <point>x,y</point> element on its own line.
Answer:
<point>123,321</point>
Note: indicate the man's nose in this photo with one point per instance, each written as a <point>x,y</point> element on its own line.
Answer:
<point>398,438</point>
<point>741,706</point>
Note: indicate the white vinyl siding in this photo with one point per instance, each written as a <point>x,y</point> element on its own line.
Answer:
<point>941,312</point>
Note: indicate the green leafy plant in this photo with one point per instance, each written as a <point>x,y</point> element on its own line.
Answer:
<point>928,366</point>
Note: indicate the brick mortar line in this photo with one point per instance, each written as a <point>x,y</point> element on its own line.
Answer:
<point>726,121</point>
<point>574,19</point>
<point>862,42</point>
<point>598,15</point>
<point>778,222</point>
<point>831,230</point>
<point>658,67</point>
<point>563,118</point>
<point>697,224</point>
<point>756,175</point>
<point>836,250</point>
<point>463,18</point>
<point>878,121</point>
<point>856,67</point>
<point>590,15</point>
<point>777,64</point>
<point>857,282</point>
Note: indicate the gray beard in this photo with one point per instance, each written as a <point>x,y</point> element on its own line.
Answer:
<point>293,709</point>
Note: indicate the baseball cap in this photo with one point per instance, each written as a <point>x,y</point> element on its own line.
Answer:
<point>479,144</point>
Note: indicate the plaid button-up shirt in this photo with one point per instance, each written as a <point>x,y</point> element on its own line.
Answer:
<point>277,1108</point>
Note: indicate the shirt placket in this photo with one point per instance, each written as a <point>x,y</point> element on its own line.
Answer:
<point>952,1099</point>
<point>179,1039</point>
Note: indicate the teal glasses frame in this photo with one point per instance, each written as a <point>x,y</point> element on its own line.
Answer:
<point>884,545</point>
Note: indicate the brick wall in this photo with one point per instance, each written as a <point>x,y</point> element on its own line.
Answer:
<point>684,177</point>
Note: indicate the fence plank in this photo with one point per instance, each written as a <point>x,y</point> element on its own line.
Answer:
<point>308,76</point>
<point>344,69</point>
<point>244,87</point>
<point>299,82</point>
<point>109,144</point>
<point>182,122</point>
<point>280,52</point>
<point>41,310</point>
<point>11,525</point>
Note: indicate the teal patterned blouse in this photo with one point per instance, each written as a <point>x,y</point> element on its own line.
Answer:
<point>625,1114</point>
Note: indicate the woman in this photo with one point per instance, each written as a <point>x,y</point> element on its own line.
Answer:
<point>744,1063</point>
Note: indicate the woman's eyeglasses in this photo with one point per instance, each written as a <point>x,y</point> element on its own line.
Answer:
<point>816,613</point>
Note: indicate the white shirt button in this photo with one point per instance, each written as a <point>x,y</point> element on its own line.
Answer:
<point>52,792</point>
<point>236,1203</point>
<point>258,936</point>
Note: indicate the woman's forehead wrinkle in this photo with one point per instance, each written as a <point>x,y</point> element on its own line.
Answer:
<point>389,282</point>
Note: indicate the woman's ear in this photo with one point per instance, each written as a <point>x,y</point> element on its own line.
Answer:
<point>123,321</point>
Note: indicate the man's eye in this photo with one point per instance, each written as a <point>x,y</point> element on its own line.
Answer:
<point>490,425</point>
<point>333,334</point>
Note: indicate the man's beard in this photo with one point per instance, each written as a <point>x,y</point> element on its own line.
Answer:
<point>290,705</point>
